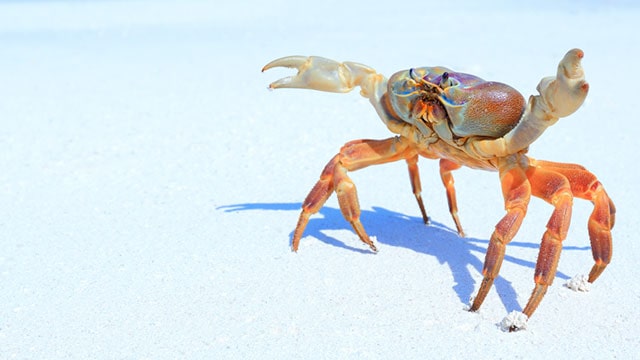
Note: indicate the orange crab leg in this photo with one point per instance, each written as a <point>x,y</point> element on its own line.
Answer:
<point>446,167</point>
<point>353,155</point>
<point>554,188</point>
<point>585,185</point>
<point>414,176</point>
<point>517,192</point>
<point>314,200</point>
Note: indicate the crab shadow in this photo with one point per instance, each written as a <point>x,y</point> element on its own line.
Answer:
<point>395,229</point>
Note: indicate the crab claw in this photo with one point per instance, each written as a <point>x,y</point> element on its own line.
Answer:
<point>318,73</point>
<point>566,92</point>
<point>295,62</point>
<point>560,96</point>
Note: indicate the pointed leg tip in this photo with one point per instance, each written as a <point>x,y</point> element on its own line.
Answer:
<point>294,247</point>
<point>472,306</point>
<point>596,271</point>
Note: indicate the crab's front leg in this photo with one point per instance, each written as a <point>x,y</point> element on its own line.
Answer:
<point>318,73</point>
<point>354,155</point>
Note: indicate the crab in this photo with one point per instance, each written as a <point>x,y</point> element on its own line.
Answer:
<point>463,120</point>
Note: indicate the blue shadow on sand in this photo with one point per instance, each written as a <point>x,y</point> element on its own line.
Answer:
<point>435,240</point>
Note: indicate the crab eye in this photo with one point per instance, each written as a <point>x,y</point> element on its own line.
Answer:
<point>445,81</point>
<point>413,75</point>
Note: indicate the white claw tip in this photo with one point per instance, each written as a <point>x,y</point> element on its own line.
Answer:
<point>515,321</point>
<point>570,66</point>
<point>576,52</point>
<point>579,283</point>
<point>573,56</point>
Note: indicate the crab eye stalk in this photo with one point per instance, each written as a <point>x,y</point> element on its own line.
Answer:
<point>444,81</point>
<point>414,76</point>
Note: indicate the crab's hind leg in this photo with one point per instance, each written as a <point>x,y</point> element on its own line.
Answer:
<point>517,192</point>
<point>554,188</point>
<point>446,167</point>
<point>414,177</point>
<point>353,155</point>
<point>585,185</point>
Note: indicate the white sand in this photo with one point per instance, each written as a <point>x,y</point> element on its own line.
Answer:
<point>149,184</point>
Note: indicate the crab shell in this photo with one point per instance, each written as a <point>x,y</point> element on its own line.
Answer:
<point>473,107</point>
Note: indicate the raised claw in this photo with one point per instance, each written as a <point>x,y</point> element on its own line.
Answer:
<point>560,96</point>
<point>565,92</point>
<point>318,73</point>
